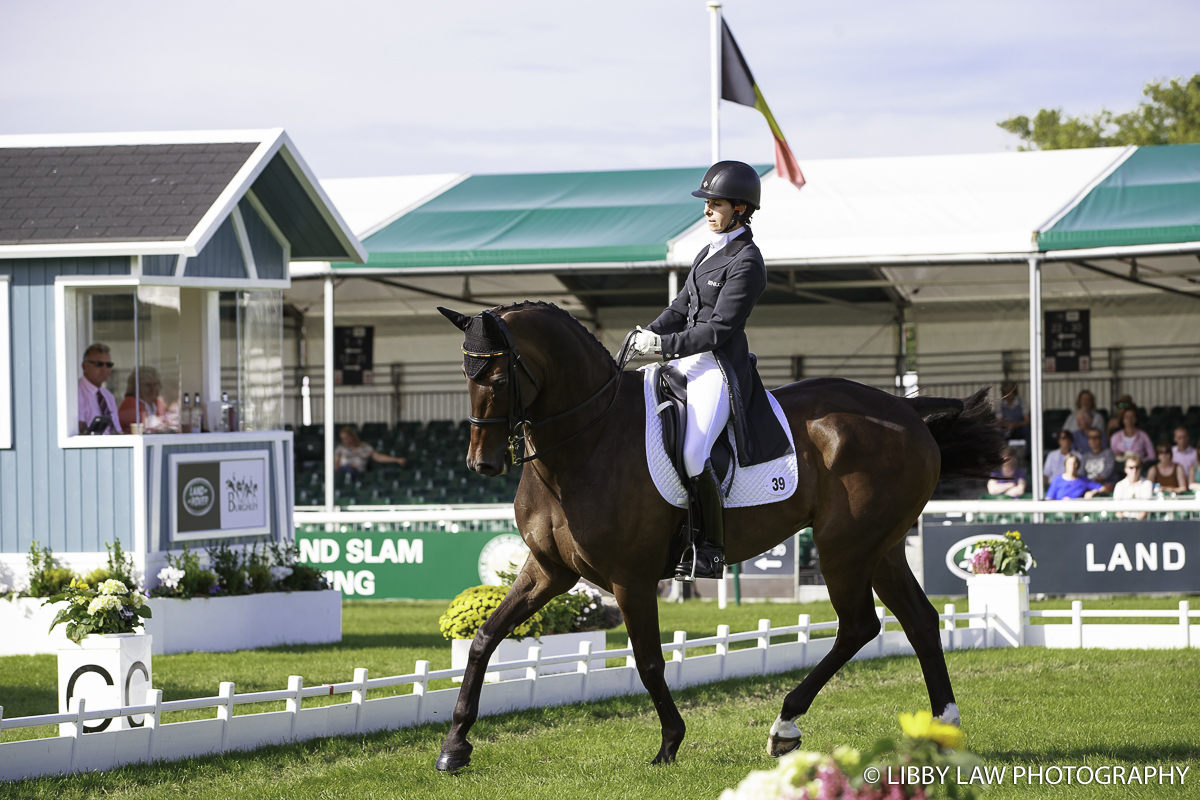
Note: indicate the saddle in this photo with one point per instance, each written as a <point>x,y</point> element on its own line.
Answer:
<point>670,394</point>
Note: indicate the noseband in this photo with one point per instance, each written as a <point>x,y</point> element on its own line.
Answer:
<point>519,425</point>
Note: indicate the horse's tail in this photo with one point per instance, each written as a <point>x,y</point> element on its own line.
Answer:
<point>965,431</point>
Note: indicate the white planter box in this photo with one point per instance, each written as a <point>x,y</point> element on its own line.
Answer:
<point>108,671</point>
<point>555,644</point>
<point>26,623</point>
<point>244,622</point>
<point>1006,596</point>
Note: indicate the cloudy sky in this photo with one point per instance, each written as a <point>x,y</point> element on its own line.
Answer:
<point>392,87</point>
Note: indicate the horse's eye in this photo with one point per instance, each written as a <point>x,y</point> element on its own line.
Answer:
<point>500,382</point>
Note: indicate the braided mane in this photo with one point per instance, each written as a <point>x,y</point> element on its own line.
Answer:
<point>541,305</point>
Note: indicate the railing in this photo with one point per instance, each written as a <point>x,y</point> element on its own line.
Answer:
<point>1126,636</point>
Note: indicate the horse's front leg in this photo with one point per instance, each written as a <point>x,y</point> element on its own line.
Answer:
<point>533,588</point>
<point>639,606</point>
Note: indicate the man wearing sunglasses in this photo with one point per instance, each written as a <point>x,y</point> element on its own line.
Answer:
<point>95,401</point>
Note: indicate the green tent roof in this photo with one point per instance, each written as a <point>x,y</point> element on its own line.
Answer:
<point>546,218</point>
<point>1153,197</point>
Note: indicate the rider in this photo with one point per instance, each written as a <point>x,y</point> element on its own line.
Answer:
<point>703,334</point>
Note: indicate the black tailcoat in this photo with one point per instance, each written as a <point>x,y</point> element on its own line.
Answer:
<point>710,314</point>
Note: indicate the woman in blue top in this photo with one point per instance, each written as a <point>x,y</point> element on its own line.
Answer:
<point>1070,485</point>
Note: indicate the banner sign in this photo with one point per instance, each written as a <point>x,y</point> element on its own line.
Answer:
<point>1068,341</point>
<point>779,561</point>
<point>1076,558</point>
<point>414,565</point>
<point>216,495</point>
<point>354,355</point>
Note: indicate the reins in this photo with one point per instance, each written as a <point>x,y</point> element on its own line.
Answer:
<point>520,426</point>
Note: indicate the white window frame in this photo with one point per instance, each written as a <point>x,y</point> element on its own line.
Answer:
<point>6,410</point>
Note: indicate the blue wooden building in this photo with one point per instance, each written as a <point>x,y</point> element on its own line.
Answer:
<point>141,336</point>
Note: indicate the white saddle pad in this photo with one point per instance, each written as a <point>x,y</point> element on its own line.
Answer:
<point>752,486</point>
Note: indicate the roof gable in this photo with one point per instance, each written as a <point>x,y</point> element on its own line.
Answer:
<point>114,193</point>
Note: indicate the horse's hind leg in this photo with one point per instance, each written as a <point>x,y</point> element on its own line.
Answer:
<point>639,606</point>
<point>847,578</point>
<point>897,587</point>
<point>533,588</point>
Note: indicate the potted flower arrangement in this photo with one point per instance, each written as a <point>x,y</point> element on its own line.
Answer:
<point>105,659</point>
<point>999,583</point>
<point>891,770</point>
<point>559,628</point>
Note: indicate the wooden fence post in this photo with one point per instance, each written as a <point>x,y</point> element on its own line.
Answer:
<point>358,696</point>
<point>764,641</point>
<point>76,729</point>
<point>951,624</point>
<point>420,688</point>
<point>1077,621</point>
<point>1184,608</point>
<point>296,687</point>
<point>584,668</point>
<point>804,621</point>
<point>882,627</point>
<point>723,646</point>
<point>680,641</point>
<point>153,721</point>
<point>225,712</point>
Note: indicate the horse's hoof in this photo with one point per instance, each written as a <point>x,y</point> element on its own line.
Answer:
<point>452,762</point>
<point>778,746</point>
<point>784,737</point>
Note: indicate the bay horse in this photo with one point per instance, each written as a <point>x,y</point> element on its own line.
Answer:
<point>587,507</point>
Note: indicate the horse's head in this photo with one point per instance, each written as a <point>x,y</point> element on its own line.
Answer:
<point>502,381</point>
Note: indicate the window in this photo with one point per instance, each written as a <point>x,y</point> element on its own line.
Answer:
<point>252,358</point>
<point>5,369</point>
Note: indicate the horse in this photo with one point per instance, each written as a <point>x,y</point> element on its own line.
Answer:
<point>587,507</point>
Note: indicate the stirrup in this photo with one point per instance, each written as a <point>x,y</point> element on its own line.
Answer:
<point>712,558</point>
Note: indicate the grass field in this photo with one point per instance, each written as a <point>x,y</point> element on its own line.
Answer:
<point>1027,707</point>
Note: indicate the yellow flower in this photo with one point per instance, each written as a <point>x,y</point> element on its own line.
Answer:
<point>922,725</point>
<point>1014,535</point>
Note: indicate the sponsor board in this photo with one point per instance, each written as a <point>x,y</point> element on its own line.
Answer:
<point>215,495</point>
<point>1075,558</point>
<point>780,560</point>
<point>415,565</point>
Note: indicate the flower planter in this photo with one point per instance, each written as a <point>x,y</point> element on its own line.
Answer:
<point>554,644</point>
<point>26,624</point>
<point>244,622</point>
<point>108,671</point>
<point>1006,596</point>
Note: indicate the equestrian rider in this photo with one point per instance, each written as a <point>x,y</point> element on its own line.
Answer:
<point>703,334</point>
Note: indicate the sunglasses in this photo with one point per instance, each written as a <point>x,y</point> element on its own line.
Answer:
<point>1131,467</point>
<point>108,364</point>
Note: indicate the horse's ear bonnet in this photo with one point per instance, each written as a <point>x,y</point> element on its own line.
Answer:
<point>485,338</point>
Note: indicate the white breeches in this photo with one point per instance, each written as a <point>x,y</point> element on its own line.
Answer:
<point>707,408</point>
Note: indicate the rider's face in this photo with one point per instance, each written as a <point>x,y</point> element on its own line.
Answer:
<point>718,213</point>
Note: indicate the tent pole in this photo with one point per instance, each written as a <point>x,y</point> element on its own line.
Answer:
<point>328,370</point>
<point>714,9</point>
<point>1035,375</point>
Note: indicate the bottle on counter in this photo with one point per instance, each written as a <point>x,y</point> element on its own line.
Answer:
<point>185,415</point>
<point>197,415</point>
<point>223,421</point>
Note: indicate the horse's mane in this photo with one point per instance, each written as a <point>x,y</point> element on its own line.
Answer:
<point>550,308</point>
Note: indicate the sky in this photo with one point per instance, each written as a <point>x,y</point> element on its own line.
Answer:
<point>392,87</point>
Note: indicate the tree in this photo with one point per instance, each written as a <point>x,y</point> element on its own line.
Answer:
<point>1170,114</point>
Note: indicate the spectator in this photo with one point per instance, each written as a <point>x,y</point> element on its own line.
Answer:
<point>1085,402</point>
<point>1130,438</point>
<point>96,403</point>
<point>1133,487</point>
<point>1166,473</point>
<point>1009,480</point>
<point>1114,421</point>
<point>1071,485</point>
<point>142,404</point>
<point>1183,453</point>
<point>352,455</point>
<point>1083,427</point>
<point>1012,413</point>
<point>1098,462</point>
<point>1054,461</point>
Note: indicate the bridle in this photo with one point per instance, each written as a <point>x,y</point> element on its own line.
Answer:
<point>519,425</point>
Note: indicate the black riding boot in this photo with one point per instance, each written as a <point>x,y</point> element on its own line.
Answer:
<point>709,550</point>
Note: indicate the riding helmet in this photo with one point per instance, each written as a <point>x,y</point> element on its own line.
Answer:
<point>731,180</point>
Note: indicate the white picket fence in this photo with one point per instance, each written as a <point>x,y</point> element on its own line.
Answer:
<point>229,732</point>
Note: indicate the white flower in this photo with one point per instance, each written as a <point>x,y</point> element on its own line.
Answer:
<point>170,577</point>
<point>136,600</point>
<point>104,602</point>
<point>113,587</point>
<point>279,573</point>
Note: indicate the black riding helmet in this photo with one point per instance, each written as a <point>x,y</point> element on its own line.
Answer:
<point>733,181</point>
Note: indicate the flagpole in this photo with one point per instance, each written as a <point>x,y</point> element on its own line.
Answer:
<point>714,8</point>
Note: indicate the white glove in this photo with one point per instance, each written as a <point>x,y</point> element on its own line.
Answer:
<point>646,342</point>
